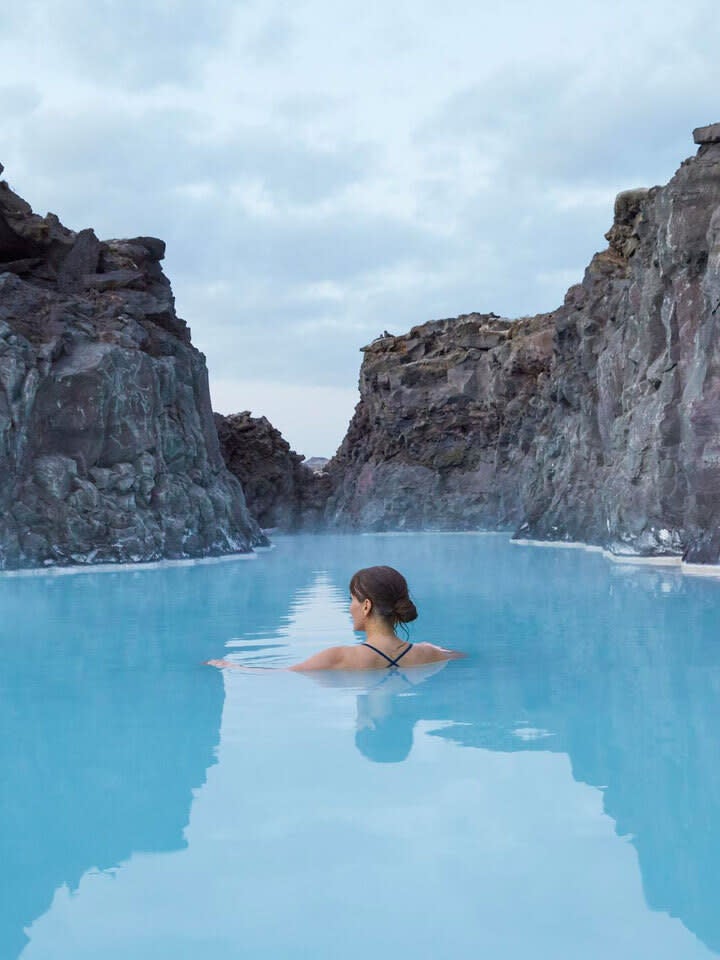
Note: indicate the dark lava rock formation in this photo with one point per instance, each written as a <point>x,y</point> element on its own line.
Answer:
<point>443,432</point>
<point>281,490</point>
<point>599,422</point>
<point>108,449</point>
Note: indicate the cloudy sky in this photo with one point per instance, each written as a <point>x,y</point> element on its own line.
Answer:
<point>322,171</point>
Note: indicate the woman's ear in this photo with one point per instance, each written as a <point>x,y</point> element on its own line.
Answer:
<point>367,606</point>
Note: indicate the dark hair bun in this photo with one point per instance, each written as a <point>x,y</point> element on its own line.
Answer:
<point>388,590</point>
<point>405,610</point>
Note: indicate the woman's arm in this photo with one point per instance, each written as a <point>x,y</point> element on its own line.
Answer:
<point>231,665</point>
<point>442,653</point>
<point>330,659</point>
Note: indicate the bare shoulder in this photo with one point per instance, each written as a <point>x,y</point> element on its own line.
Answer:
<point>434,652</point>
<point>334,658</point>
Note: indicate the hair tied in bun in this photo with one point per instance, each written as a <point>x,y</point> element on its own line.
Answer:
<point>405,610</point>
<point>388,590</point>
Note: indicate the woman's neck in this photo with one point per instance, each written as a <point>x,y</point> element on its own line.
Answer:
<point>381,633</point>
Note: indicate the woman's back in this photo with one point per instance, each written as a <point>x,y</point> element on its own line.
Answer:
<point>380,655</point>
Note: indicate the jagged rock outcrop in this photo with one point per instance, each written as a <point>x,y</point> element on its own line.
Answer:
<point>108,449</point>
<point>444,427</point>
<point>281,490</point>
<point>599,422</point>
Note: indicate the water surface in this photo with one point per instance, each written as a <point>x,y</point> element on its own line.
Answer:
<point>556,795</point>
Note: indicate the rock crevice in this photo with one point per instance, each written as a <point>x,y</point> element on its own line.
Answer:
<point>281,490</point>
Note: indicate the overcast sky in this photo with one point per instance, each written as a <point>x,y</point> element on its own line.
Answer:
<point>322,171</point>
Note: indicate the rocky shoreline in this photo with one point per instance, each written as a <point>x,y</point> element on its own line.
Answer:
<point>596,423</point>
<point>599,422</point>
<point>108,449</point>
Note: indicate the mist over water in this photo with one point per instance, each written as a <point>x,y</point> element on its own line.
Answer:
<point>557,794</point>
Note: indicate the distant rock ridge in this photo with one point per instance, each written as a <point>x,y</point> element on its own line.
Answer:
<point>281,490</point>
<point>599,422</point>
<point>108,449</point>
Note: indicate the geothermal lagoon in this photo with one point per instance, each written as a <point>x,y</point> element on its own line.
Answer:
<point>556,794</point>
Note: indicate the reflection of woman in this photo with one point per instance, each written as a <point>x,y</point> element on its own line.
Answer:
<point>387,712</point>
<point>382,735</point>
<point>379,602</point>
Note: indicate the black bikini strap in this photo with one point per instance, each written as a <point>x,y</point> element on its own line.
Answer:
<point>391,662</point>
<point>400,656</point>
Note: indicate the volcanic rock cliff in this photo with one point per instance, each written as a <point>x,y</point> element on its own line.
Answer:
<point>598,422</point>
<point>108,449</point>
<point>443,432</point>
<point>281,490</point>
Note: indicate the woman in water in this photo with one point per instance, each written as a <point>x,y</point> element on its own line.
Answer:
<point>379,601</point>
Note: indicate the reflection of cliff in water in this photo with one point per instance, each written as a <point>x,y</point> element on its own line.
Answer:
<point>637,711</point>
<point>109,721</point>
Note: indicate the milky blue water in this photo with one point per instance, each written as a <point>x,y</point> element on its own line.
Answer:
<point>556,795</point>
